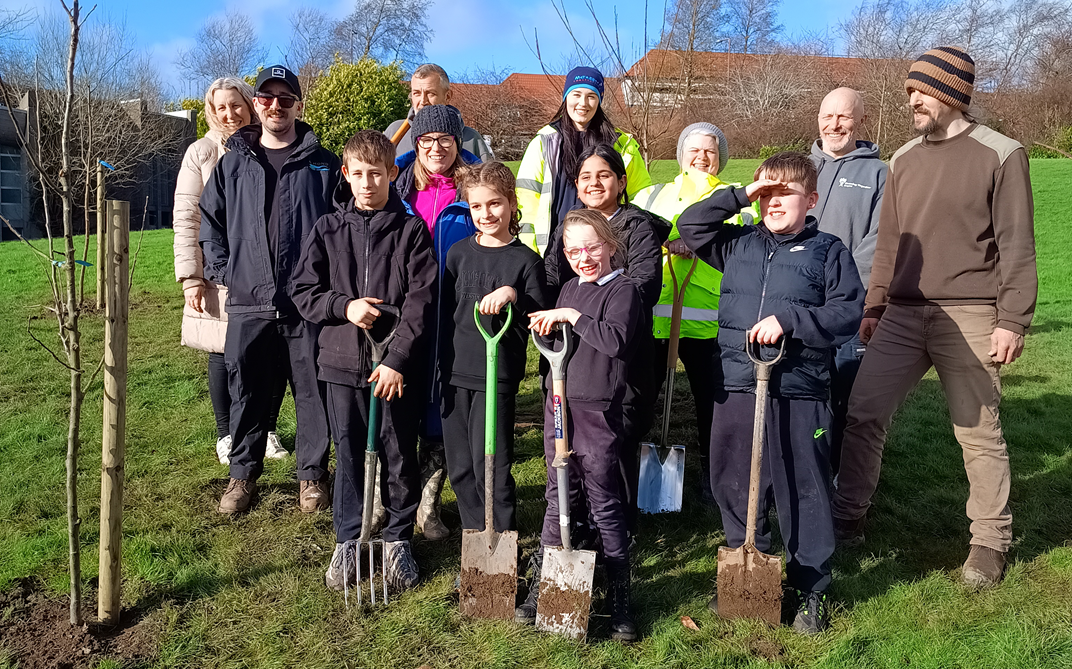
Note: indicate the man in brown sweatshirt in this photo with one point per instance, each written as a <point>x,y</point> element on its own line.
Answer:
<point>953,286</point>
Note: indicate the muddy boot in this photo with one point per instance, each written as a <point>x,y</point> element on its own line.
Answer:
<point>622,625</point>
<point>379,513</point>
<point>526,613</point>
<point>433,475</point>
<point>707,497</point>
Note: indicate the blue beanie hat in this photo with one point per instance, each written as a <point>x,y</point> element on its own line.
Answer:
<point>584,77</point>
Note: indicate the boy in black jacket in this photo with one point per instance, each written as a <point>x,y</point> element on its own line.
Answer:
<point>374,250</point>
<point>797,283</point>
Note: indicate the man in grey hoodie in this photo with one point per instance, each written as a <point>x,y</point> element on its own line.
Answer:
<point>852,179</point>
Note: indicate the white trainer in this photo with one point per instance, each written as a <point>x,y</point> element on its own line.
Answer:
<point>223,450</point>
<point>274,449</point>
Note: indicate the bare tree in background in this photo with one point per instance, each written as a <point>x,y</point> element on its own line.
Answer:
<point>752,25</point>
<point>387,30</point>
<point>224,46</point>
<point>313,44</point>
<point>691,26</point>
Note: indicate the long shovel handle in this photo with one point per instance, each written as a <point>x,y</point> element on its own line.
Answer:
<point>763,374</point>
<point>675,338</point>
<point>401,132</point>
<point>491,409</point>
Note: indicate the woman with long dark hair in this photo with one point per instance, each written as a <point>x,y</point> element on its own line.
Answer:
<point>546,189</point>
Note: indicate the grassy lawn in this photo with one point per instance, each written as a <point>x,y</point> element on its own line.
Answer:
<point>249,592</point>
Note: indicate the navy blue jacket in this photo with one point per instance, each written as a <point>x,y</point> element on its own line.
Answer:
<point>386,254</point>
<point>807,281</point>
<point>234,233</point>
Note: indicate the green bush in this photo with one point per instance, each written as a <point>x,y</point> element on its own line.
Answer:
<point>768,150</point>
<point>355,96</point>
<point>202,120</point>
<point>1062,139</point>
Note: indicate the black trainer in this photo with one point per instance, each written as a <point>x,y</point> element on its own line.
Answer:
<point>526,613</point>
<point>622,625</point>
<point>813,613</point>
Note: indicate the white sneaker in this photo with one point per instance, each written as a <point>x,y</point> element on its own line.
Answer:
<point>223,450</point>
<point>274,449</point>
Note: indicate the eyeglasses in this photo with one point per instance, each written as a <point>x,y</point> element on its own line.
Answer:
<point>285,101</point>
<point>594,250</point>
<point>426,142</point>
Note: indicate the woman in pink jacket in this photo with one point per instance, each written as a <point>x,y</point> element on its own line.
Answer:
<point>228,107</point>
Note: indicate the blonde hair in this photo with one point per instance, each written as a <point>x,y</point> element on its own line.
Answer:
<point>497,177</point>
<point>422,177</point>
<point>599,222</point>
<point>228,84</point>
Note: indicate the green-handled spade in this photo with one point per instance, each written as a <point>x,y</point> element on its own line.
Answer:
<point>489,558</point>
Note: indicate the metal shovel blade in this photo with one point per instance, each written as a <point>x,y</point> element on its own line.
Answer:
<point>565,592</point>
<point>661,481</point>
<point>489,574</point>
<point>749,584</point>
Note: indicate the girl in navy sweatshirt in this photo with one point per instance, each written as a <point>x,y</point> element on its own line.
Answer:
<point>604,309</point>
<point>495,269</point>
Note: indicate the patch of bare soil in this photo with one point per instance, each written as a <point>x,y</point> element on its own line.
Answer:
<point>35,628</point>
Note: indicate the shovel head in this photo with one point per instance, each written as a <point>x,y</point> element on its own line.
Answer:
<point>661,481</point>
<point>749,584</point>
<point>565,592</point>
<point>489,574</point>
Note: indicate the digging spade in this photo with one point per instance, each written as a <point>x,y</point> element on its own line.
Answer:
<point>750,582</point>
<point>489,558</point>
<point>662,480</point>
<point>379,336</point>
<point>566,579</point>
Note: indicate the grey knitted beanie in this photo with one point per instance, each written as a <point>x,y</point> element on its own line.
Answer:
<point>705,129</point>
<point>438,118</point>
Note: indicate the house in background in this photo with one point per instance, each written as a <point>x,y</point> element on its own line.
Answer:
<point>15,194</point>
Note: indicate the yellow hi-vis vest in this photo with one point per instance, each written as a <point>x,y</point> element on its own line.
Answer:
<point>536,174</point>
<point>699,317</point>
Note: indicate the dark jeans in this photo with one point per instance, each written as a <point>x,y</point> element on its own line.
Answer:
<point>220,394</point>
<point>400,479</point>
<point>846,365</point>
<point>795,477</point>
<point>596,439</point>
<point>257,351</point>
<point>463,437</point>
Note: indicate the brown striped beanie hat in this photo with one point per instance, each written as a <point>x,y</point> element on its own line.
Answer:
<point>946,73</point>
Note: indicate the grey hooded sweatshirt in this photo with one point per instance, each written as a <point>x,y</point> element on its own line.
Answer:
<point>850,198</point>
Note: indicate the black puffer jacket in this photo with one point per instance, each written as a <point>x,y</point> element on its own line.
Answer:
<point>234,233</point>
<point>386,254</point>
<point>808,281</point>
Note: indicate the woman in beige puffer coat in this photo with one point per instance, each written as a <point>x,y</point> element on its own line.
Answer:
<point>228,107</point>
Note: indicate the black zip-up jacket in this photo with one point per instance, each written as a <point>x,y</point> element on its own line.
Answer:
<point>234,233</point>
<point>640,236</point>
<point>386,254</point>
<point>808,281</point>
<point>597,374</point>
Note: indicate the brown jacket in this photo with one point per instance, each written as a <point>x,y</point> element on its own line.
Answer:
<point>957,227</point>
<point>205,331</point>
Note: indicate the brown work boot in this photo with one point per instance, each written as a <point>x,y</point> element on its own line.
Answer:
<point>983,568</point>
<point>238,496</point>
<point>849,533</point>
<point>314,496</point>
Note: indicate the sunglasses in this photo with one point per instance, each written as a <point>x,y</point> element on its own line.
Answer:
<point>594,250</point>
<point>285,101</point>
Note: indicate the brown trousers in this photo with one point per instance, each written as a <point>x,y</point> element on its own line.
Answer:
<point>908,341</point>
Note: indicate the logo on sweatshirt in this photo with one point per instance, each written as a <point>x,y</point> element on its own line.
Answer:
<point>820,432</point>
<point>845,183</point>
<point>797,248</point>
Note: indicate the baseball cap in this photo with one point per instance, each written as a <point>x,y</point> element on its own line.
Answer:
<point>282,74</point>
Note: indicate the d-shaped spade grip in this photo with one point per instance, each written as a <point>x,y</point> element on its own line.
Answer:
<point>491,373</point>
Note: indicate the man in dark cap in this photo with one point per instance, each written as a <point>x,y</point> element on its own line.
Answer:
<point>953,286</point>
<point>264,196</point>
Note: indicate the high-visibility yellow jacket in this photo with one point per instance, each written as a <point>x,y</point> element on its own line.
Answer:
<point>699,317</point>
<point>536,175</point>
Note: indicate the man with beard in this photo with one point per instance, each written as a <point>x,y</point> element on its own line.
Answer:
<point>263,198</point>
<point>852,179</point>
<point>953,286</point>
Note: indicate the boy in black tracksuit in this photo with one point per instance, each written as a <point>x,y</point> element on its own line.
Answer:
<point>782,278</point>
<point>373,250</point>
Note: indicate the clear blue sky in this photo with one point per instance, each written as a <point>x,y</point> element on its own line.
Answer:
<point>469,34</point>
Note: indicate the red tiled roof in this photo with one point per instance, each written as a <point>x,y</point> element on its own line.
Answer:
<point>664,63</point>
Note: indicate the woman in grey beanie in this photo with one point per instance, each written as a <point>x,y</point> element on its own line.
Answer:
<point>702,152</point>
